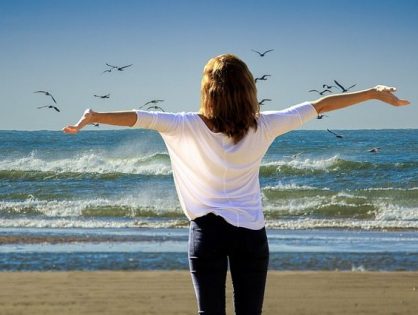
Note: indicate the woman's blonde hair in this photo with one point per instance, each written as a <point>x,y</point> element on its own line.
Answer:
<point>229,96</point>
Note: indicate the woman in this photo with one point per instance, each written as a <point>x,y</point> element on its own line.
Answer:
<point>215,156</point>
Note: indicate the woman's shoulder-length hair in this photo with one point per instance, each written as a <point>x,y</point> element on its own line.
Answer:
<point>229,96</point>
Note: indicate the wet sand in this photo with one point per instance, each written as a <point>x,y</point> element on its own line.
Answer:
<point>171,292</point>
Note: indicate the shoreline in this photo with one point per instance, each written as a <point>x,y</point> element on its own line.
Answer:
<point>171,292</point>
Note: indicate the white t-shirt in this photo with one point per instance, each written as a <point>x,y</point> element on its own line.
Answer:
<point>211,173</point>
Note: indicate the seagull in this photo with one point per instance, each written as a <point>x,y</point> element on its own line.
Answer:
<point>321,92</point>
<point>263,53</point>
<point>50,106</point>
<point>343,89</point>
<point>102,96</point>
<point>374,150</point>
<point>117,67</point>
<point>153,102</point>
<point>264,100</point>
<point>263,78</point>
<point>320,116</point>
<point>95,124</point>
<point>337,135</point>
<point>156,107</point>
<point>48,94</point>
<point>294,156</point>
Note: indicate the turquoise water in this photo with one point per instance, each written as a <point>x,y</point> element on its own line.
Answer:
<point>121,180</point>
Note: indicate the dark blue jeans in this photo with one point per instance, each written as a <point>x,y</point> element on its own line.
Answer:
<point>212,243</point>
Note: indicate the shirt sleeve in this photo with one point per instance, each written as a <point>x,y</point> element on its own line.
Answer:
<point>280,122</point>
<point>167,123</point>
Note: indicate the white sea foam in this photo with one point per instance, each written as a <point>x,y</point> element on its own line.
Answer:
<point>391,212</point>
<point>90,223</point>
<point>306,164</point>
<point>92,162</point>
<point>298,224</point>
<point>309,223</point>
<point>284,187</point>
<point>75,208</point>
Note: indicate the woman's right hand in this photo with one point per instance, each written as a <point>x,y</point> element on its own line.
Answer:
<point>86,119</point>
<point>385,94</point>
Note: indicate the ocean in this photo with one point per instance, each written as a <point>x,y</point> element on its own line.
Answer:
<point>105,200</point>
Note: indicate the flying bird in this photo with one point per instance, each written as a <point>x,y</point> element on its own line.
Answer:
<point>95,124</point>
<point>48,94</point>
<point>263,53</point>
<point>50,106</point>
<point>264,100</point>
<point>263,78</point>
<point>343,89</point>
<point>294,156</point>
<point>153,102</point>
<point>102,96</point>
<point>335,134</point>
<point>320,116</point>
<point>117,67</point>
<point>150,102</point>
<point>374,150</point>
<point>321,92</point>
<point>156,107</point>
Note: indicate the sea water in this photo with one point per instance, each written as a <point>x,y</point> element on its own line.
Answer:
<point>106,200</point>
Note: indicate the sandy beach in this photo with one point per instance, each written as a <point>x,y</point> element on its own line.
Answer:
<point>171,292</point>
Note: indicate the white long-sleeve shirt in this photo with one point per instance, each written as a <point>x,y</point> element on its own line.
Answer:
<point>211,173</point>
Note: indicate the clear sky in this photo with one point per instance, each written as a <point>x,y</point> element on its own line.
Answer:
<point>62,46</point>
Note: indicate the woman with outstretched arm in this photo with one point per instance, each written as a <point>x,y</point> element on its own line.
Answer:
<point>215,156</point>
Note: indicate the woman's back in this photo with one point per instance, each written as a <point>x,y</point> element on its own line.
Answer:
<point>212,173</point>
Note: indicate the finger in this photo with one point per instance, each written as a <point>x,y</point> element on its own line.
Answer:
<point>403,102</point>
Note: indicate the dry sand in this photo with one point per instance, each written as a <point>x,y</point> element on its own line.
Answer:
<point>171,292</point>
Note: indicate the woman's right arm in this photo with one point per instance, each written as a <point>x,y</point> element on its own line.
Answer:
<point>337,101</point>
<point>126,118</point>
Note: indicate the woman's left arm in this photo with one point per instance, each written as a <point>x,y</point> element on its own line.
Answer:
<point>338,101</point>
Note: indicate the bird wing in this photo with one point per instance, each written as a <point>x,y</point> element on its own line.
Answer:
<point>257,52</point>
<point>42,106</point>
<point>45,92</point>
<point>340,86</point>
<point>351,86</point>
<point>110,66</point>
<point>332,132</point>
<point>313,91</point>
<point>125,66</point>
<point>267,51</point>
<point>56,108</point>
<point>52,98</point>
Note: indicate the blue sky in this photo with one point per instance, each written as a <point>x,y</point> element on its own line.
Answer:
<point>62,47</point>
